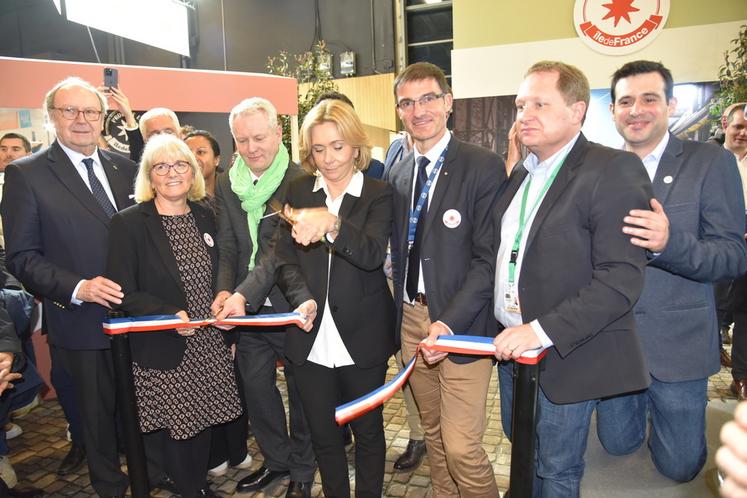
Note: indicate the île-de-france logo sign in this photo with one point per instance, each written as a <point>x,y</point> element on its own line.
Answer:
<point>618,27</point>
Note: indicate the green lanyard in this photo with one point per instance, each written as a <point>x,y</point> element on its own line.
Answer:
<point>523,218</point>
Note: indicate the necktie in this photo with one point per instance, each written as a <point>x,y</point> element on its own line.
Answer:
<point>98,190</point>
<point>413,258</point>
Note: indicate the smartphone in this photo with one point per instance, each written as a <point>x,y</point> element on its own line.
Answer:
<point>111,77</point>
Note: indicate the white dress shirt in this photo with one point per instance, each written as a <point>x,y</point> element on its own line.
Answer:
<point>539,172</point>
<point>742,165</point>
<point>432,156</point>
<point>328,349</point>
<point>651,161</point>
<point>77,159</point>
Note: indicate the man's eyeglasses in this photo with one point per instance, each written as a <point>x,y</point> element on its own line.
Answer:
<point>427,100</point>
<point>162,169</point>
<point>72,113</point>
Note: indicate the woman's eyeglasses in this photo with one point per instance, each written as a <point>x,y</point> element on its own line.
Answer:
<point>162,169</point>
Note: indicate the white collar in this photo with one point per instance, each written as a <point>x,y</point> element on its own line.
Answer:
<point>354,188</point>
<point>76,157</point>
<point>435,151</point>
<point>532,164</point>
<point>654,156</point>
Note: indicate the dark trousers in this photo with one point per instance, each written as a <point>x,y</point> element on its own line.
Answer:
<point>93,380</point>
<point>65,389</point>
<point>322,389</point>
<point>5,400</point>
<point>721,291</point>
<point>228,441</point>
<point>739,346</point>
<point>257,353</point>
<point>184,460</point>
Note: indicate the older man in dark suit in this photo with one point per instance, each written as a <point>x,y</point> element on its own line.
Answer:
<point>694,235</point>
<point>444,193</point>
<point>248,196</point>
<point>56,209</point>
<point>566,276</point>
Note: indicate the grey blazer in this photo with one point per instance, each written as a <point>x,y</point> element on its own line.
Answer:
<point>699,186</point>
<point>235,244</point>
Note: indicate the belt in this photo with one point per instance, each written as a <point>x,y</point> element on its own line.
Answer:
<point>420,298</point>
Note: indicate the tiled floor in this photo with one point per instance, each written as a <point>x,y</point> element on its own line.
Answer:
<point>37,452</point>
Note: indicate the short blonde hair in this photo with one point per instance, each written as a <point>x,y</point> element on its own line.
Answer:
<point>170,148</point>
<point>348,125</point>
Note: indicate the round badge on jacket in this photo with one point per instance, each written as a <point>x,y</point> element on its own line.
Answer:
<point>208,240</point>
<point>452,218</point>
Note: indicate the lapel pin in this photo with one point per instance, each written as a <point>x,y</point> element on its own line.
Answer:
<point>208,239</point>
<point>668,179</point>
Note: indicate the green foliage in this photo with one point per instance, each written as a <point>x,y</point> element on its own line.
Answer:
<point>307,67</point>
<point>732,76</point>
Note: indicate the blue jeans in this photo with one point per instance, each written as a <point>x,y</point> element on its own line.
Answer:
<point>562,432</point>
<point>677,411</point>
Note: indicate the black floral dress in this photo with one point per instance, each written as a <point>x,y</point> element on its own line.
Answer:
<point>201,391</point>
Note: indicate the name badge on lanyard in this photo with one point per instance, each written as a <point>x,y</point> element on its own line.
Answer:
<point>511,294</point>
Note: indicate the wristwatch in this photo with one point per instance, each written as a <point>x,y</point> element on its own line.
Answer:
<point>337,225</point>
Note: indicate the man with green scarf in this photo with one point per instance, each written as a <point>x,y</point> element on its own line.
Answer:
<point>247,198</point>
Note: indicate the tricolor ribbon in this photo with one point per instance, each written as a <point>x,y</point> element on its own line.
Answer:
<point>113,326</point>
<point>462,344</point>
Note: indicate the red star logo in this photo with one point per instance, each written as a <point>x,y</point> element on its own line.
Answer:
<point>619,9</point>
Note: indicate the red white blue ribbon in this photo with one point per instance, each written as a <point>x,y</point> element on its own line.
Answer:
<point>462,344</point>
<point>113,326</point>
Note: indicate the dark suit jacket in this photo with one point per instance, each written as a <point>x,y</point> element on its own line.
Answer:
<point>456,262</point>
<point>359,296</point>
<point>581,276</point>
<point>141,260</point>
<point>676,314</point>
<point>236,245</point>
<point>56,234</point>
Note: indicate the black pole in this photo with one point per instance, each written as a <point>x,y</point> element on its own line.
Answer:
<point>134,449</point>
<point>524,427</point>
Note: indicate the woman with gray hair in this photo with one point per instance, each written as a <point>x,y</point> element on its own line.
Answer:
<point>163,254</point>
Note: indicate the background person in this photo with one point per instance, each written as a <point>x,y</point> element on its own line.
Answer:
<point>207,152</point>
<point>734,124</point>
<point>162,251</point>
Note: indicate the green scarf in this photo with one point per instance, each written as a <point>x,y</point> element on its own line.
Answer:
<point>253,197</point>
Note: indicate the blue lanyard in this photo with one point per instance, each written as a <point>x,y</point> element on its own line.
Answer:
<point>414,215</point>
